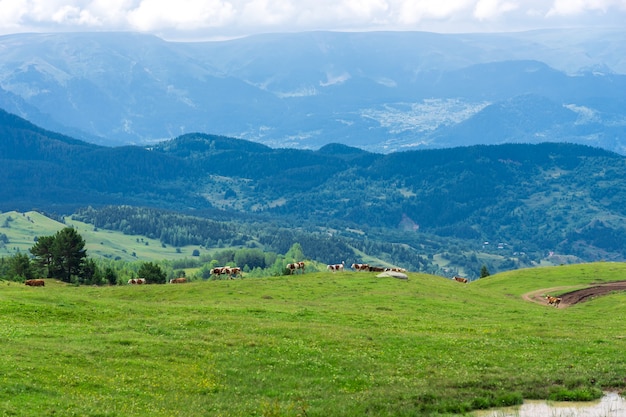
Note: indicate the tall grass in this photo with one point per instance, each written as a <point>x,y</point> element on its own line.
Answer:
<point>321,344</point>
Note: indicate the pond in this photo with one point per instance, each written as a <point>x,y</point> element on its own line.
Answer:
<point>611,405</point>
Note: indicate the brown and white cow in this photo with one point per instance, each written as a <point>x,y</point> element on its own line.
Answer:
<point>553,300</point>
<point>230,271</point>
<point>137,281</point>
<point>180,280</point>
<point>235,271</point>
<point>294,266</point>
<point>460,279</point>
<point>35,283</point>
<point>335,267</point>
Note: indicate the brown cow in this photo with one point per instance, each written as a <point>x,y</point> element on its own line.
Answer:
<point>553,300</point>
<point>376,269</point>
<point>460,279</point>
<point>360,267</point>
<point>178,280</point>
<point>35,283</point>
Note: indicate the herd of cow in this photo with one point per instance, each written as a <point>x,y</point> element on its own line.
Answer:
<point>370,268</point>
<point>229,271</point>
<point>233,272</point>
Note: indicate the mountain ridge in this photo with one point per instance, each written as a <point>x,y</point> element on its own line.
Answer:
<point>380,91</point>
<point>538,198</point>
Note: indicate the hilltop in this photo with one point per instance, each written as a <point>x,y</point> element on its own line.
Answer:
<point>21,229</point>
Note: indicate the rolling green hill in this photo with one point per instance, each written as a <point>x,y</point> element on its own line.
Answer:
<point>319,344</point>
<point>21,229</point>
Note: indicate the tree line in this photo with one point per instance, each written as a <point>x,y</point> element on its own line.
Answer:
<point>63,256</point>
<point>178,229</point>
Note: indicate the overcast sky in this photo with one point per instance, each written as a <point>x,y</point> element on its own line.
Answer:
<point>214,19</point>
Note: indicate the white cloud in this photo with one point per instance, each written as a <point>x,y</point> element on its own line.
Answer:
<point>70,15</point>
<point>578,7</point>
<point>184,15</point>
<point>415,11</point>
<point>208,18</point>
<point>11,13</point>
<point>490,9</point>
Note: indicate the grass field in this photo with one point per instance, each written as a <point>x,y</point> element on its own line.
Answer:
<point>319,344</point>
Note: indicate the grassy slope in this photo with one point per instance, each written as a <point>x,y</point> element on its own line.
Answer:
<point>321,344</point>
<point>101,243</point>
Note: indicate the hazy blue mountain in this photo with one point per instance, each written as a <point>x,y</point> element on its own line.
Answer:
<point>379,91</point>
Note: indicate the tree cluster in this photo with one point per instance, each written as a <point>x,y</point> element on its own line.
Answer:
<point>61,256</point>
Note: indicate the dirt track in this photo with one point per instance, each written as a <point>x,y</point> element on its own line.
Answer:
<point>575,296</point>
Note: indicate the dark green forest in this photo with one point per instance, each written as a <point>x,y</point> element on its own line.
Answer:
<point>506,206</point>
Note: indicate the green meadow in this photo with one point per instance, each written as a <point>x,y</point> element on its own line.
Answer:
<point>22,229</point>
<point>318,344</point>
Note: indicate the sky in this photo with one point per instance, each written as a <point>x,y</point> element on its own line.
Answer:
<point>222,19</point>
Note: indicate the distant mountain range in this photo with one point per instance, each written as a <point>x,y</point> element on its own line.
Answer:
<point>378,91</point>
<point>527,200</point>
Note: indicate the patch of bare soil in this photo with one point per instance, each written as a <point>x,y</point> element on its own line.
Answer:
<point>575,296</point>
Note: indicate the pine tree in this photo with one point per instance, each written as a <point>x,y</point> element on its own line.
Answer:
<point>42,251</point>
<point>484,272</point>
<point>69,254</point>
<point>152,273</point>
<point>19,267</point>
<point>62,255</point>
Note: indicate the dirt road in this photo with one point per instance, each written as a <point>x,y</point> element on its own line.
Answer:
<point>575,296</point>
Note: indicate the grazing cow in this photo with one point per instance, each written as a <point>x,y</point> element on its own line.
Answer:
<point>295,266</point>
<point>178,280</point>
<point>553,300</point>
<point>35,283</point>
<point>360,267</point>
<point>461,280</point>
<point>234,271</point>
<point>231,271</point>
<point>376,269</point>
<point>335,267</point>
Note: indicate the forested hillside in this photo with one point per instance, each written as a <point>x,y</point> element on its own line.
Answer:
<point>511,205</point>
